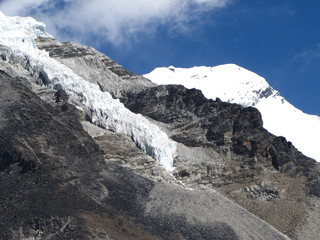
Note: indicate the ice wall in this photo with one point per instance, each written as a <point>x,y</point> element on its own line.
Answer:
<point>17,35</point>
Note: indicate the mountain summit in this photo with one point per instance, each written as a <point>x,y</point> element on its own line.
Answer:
<point>234,84</point>
<point>90,150</point>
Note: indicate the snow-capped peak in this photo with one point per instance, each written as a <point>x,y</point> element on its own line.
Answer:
<point>17,37</point>
<point>217,81</point>
<point>2,15</point>
<point>234,84</point>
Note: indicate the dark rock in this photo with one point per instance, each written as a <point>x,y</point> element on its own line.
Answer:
<point>245,152</point>
<point>3,56</point>
<point>44,78</point>
<point>61,96</point>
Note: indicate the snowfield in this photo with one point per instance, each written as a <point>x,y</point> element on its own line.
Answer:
<point>234,84</point>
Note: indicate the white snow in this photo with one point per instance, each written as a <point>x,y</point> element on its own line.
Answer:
<point>235,84</point>
<point>18,34</point>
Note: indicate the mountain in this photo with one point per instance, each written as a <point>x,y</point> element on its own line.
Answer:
<point>234,84</point>
<point>90,150</point>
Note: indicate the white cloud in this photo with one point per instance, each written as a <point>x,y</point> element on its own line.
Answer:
<point>309,54</point>
<point>307,59</point>
<point>116,20</point>
<point>20,7</point>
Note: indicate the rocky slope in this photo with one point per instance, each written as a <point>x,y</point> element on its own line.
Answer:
<point>95,67</point>
<point>57,183</point>
<point>62,177</point>
<point>225,147</point>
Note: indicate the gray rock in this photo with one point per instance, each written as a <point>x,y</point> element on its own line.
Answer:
<point>95,67</point>
<point>225,147</point>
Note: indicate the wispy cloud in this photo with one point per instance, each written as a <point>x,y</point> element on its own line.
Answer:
<point>115,20</point>
<point>309,54</point>
<point>282,10</point>
<point>308,59</point>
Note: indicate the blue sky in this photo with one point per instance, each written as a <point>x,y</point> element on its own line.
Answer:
<point>278,39</point>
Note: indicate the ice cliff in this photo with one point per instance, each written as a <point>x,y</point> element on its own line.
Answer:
<point>17,46</point>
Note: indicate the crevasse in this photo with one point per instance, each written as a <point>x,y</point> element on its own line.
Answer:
<point>18,35</point>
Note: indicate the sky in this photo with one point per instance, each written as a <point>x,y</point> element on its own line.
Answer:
<point>277,39</point>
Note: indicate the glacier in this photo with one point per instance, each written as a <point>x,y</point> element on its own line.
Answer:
<point>234,84</point>
<point>17,46</point>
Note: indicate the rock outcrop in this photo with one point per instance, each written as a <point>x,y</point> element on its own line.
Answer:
<point>95,67</point>
<point>225,147</point>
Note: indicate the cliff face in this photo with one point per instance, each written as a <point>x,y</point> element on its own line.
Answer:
<point>95,67</point>
<point>225,147</point>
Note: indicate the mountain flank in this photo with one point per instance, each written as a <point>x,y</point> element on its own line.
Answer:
<point>225,147</point>
<point>89,150</point>
<point>57,183</point>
